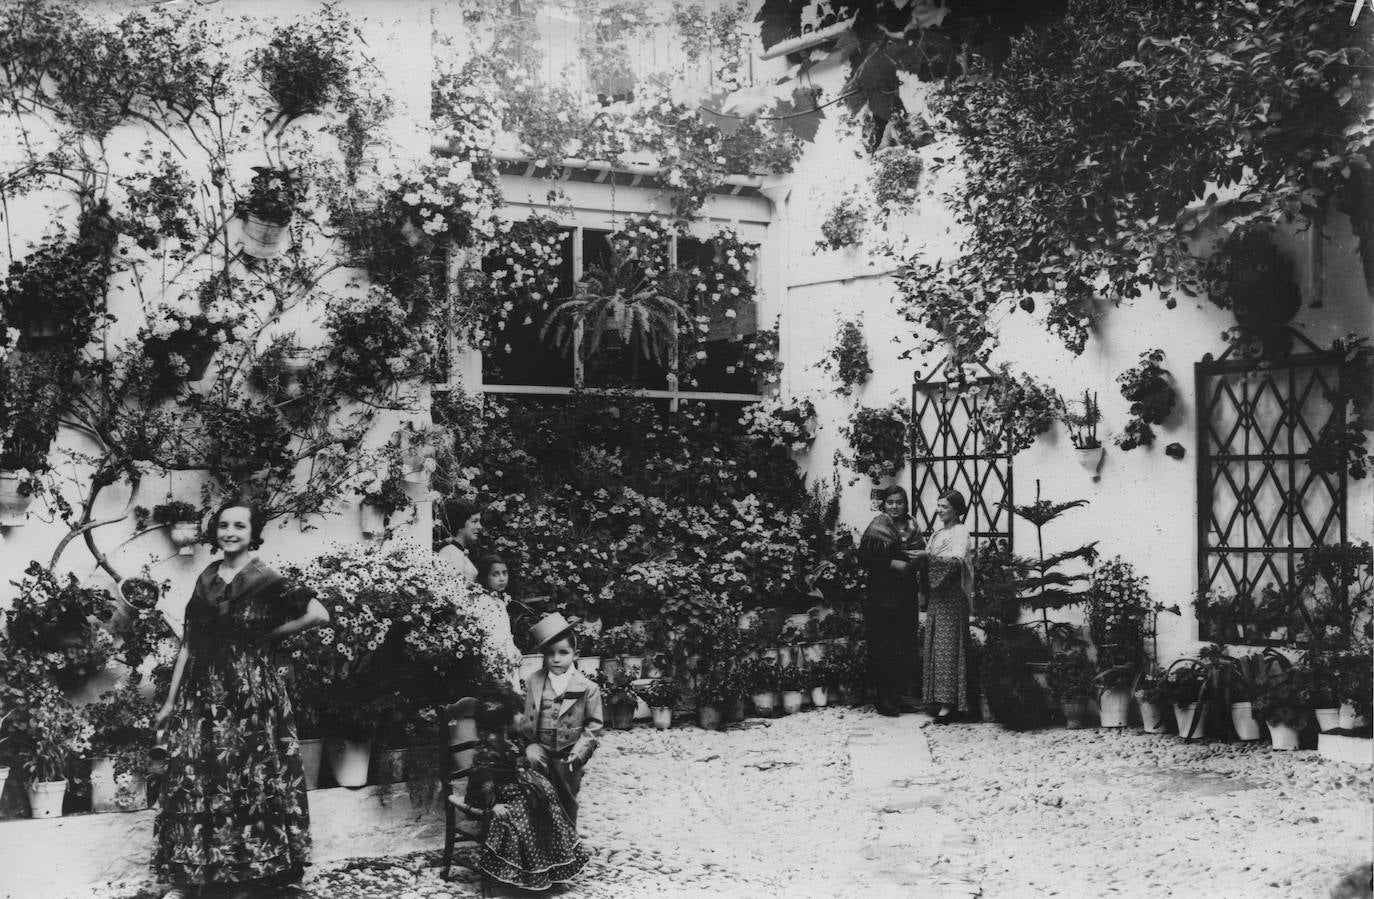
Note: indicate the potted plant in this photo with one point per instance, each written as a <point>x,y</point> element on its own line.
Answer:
<point>662,696</point>
<point>880,439</point>
<point>1118,603</point>
<point>1183,687</point>
<point>1071,682</point>
<point>1149,697</point>
<point>760,680</point>
<point>121,723</point>
<point>847,360</point>
<point>621,699</point>
<point>1284,703</point>
<point>178,344</point>
<point>716,689</point>
<point>1148,389</point>
<point>1251,673</point>
<point>1082,418</point>
<point>273,196</point>
<point>182,521</point>
<point>1354,690</point>
<point>791,681</point>
<point>47,735</point>
<point>30,406</point>
<point>820,676</point>
<point>1321,679</point>
<point>380,498</point>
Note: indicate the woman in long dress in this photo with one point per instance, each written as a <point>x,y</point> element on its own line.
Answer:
<point>233,808</point>
<point>460,525</point>
<point>949,555</point>
<point>890,611</point>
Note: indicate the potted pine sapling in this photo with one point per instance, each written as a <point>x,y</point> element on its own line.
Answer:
<point>791,682</point>
<point>1284,703</point>
<point>662,696</point>
<point>1071,682</point>
<point>760,679</point>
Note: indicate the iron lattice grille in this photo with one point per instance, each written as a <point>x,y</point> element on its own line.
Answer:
<point>950,450</point>
<point>1260,504</point>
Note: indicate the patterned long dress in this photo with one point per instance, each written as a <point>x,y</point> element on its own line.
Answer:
<point>233,806</point>
<point>533,845</point>
<point>944,661</point>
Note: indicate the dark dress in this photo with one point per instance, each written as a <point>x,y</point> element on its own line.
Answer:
<point>533,845</point>
<point>890,608</point>
<point>233,806</point>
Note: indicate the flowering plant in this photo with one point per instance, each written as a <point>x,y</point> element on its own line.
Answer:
<point>880,439</point>
<point>1017,409</point>
<point>121,723</point>
<point>1152,398</point>
<point>717,686</point>
<point>1082,417</point>
<point>450,197</point>
<point>954,308</point>
<point>663,693</point>
<point>779,422</point>
<point>60,623</point>
<point>847,360</point>
<point>373,343</point>
<point>175,512</point>
<point>178,342</point>
<point>273,195</point>
<point>1119,604</point>
<point>48,733</point>
<point>896,173</point>
<point>844,225</point>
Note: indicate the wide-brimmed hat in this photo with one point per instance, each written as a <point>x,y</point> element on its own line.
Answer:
<point>548,629</point>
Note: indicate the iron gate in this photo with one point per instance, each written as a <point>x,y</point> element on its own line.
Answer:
<point>1260,504</point>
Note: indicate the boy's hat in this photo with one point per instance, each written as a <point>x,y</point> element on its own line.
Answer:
<point>549,628</point>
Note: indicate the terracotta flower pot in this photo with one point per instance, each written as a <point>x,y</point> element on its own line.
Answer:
<point>1152,716</point>
<point>388,766</point>
<point>184,536</point>
<point>106,794</point>
<point>1090,459</point>
<point>1283,737</point>
<point>373,520</point>
<point>1075,712</point>
<point>1185,715</point>
<point>764,703</point>
<point>1349,719</point>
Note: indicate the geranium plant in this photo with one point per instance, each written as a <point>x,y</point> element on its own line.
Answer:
<point>175,512</point>
<point>1017,409</point>
<point>178,343</point>
<point>121,723</point>
<point>847,359</point>
<point>880,439</point>
<point>1152,397</point>
<point>844,224</point>
<point>789,423</point>
<point>47,734</point>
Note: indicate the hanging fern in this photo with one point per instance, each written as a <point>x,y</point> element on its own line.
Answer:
<point>620,298</point>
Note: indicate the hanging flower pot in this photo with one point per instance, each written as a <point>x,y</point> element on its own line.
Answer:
<point>1243,720</point>
<point>1113,707</point>
<point>373,520</point>
<point>663,718</point>
<point>312,755</point>
<point>263,239</point>
<point>14,504</point>
<point>184,536</point>
<point>1090,459</point>
<point>45,798</point>
<point>349,760</point>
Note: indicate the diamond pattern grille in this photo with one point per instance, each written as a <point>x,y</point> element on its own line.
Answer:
<point>1260,504</point>
<point>950,451</point>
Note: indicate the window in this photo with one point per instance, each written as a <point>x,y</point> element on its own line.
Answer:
<point>1260,504</point>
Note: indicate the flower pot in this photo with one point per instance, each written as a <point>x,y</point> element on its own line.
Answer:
<point>312,754</point>
<point>708,716</point>
<point>107,795</point>
<point>198,363</point>
<point>764,703</point>
<point>642,710</point>
<point>1328,719</point>
<point>14,507</point>
<point>1350,720</point>
<point>45,798</point>
<point>985,709</point>
<point>1184,715</point>
<point>634,666</point>
<point>530,662</point>
<point>388,766</point>
<point>263,239</point>
<point>348,759</point>
<point>791,702</point>
<point>184,536</point>
<point>1243,720</point>
<point>373,520</point>
<point>622,715</point>
<point>1090,459</point>
<point>1114,706</point>
<point>1151,716</point>
<point>663,718</point>
<point>1075,712</point>
<point>834,696</point>
<point>1283,737</point>
<point>588,665</point>
<point>820,697</point>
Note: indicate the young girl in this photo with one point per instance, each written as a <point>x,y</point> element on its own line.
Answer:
<point>494,574</point>
<point>233,808</point>
<point>529,843</point>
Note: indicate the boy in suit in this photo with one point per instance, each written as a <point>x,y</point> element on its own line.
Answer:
<point>562,712</point>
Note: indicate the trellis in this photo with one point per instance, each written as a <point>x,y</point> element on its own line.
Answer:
<point>950,451</point>
<point>1260,504</point>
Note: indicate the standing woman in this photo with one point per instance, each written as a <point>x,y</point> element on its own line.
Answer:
<point>460,527</point>
<point>233,808</point>
<point>950,557</point>
<point>890,610</point>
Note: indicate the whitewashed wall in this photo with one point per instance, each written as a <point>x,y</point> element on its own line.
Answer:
<point>1144,506</point>
<point>398,41</point>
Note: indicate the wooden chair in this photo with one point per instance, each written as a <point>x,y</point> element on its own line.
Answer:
<point>457,748</point>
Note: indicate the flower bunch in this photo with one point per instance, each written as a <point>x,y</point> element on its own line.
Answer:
<point>451,197</point>
<point>160,209</point>
<point>844,224</point>
<point>1119,603</point>
<point>121,723</point>
<point>789,423</point>
<point>896,174</point>
<point>178,342</point>
<point>374,343</point>
<point>1017,410</point>
<point>48,733</point>
<point>59,621</point>
<point>467,107</point>
<point>1151,395</point>
<point>880,439</point>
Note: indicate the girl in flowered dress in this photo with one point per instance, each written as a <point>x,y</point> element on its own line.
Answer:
<point>233,808</point>
<point>529,843</point>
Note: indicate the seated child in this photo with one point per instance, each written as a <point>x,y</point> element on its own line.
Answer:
<point>493,574</point>
<point>562,711</point>
<point>529,841</point>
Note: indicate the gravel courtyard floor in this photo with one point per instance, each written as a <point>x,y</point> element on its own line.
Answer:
<point>844,803</point>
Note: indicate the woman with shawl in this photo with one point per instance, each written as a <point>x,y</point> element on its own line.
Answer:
<point>949,554</point>
<point>890,613</point>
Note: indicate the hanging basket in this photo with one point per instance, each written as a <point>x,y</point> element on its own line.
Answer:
<point>14,506</point>
<point>263,239</point>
